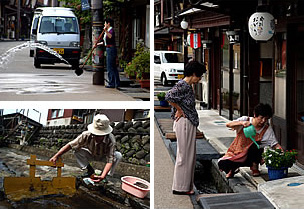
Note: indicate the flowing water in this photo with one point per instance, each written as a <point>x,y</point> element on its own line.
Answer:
<point>8,56</point>
<point>78,201</point>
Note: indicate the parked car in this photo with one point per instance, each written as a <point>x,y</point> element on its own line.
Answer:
<point>168,66</point>
<point>57,28</point>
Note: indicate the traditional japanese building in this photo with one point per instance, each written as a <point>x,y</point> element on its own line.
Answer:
<point>242,71</point>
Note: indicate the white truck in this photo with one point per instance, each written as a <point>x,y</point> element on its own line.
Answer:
<point>57,28</point>
<point>168,66</point>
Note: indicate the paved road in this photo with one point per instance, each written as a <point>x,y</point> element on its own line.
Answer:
<point>21,81</point>
<point>163,178</point>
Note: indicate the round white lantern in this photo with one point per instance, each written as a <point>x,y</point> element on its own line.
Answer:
<point>184,24</point>
<point>261,26</point>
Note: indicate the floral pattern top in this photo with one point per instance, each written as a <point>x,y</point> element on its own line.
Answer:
<point>183,95</point>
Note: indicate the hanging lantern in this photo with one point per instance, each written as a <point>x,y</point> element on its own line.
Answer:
<point>184,24</point>
<point>261,26</point>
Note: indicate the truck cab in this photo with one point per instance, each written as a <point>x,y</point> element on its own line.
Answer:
<point>58,29</point>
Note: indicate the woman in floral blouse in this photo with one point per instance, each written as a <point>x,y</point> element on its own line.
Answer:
<point>182,99</point>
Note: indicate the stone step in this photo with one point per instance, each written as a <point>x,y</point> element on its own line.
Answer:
<point>236,200</point>
<point>204,150</point>
<point>172,136</point>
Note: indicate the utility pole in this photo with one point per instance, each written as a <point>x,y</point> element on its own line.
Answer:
<point>54,3</point>
<point>18,20</point>
<point>97,28</point>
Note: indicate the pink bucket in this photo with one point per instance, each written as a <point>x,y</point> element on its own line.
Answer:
<point>135,186</point>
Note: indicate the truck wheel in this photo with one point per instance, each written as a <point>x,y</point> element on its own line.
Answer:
<point>164,80</point>
<point>37,63</point>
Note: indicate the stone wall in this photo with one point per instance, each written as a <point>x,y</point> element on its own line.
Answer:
<point>132,139</point>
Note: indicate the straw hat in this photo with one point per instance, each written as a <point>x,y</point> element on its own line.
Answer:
<point>100,126</point>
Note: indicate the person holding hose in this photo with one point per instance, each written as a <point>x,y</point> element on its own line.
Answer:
<point>109,43</point>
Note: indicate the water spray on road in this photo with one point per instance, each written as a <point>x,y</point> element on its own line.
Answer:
<point>8,56</point>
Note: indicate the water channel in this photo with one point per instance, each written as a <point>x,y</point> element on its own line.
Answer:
<point>13,163</point>
<point>78,201</point>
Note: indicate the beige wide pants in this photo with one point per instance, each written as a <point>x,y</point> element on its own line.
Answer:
<point>186,155</point>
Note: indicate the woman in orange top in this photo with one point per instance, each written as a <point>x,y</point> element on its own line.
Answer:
<point>242,151</point>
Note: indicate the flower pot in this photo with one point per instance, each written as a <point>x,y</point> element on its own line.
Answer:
<point>144,83</point>
<point>277,173</point>
<point>163,103</point>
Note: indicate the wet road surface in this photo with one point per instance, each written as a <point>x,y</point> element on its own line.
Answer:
<point>20,80</point>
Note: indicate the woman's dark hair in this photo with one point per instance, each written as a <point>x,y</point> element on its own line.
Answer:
<point>194,67</point>
<point>109,20</point>
<point>263,110</point>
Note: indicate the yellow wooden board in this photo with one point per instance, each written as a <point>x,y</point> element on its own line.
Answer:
<point>17,188</point>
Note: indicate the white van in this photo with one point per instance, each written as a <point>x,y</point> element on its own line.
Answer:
<point>57,28</point>
<point>168,66</point>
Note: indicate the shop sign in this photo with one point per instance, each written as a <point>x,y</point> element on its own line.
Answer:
<point>85,5</point>
<point>233,37</point>
<point>261,26</point>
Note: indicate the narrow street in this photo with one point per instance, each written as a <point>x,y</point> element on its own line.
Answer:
<point>21,81</point>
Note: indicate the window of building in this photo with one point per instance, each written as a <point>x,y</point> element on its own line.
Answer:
<point>225,51</point>
<point>60,112</point>
<point>54,113</point>
<point>236,80</point>
<point>136,32</point>
<point>147,41</point>
<point>280,76</point>
<point>225,76</point>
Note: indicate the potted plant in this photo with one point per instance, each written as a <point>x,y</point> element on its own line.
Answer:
<point>140,64</point>
<point>130,70</point>
<point>122,64</point>
<point>161,97</point>
<point>278,162</point>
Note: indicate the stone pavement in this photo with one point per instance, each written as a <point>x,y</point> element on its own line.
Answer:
<point>163,177</point>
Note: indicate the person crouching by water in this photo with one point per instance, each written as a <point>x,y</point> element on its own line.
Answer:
<point>182,99</point>
<point>242,151</point>
<point>94,144</point>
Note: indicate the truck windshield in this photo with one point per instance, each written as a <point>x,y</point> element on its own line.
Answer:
<point>58,25</point>
<point>173,58</point>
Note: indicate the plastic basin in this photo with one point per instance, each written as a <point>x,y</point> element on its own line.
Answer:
<point>135,186</point>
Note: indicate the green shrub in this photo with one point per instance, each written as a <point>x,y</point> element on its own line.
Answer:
<point>279,159</point>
